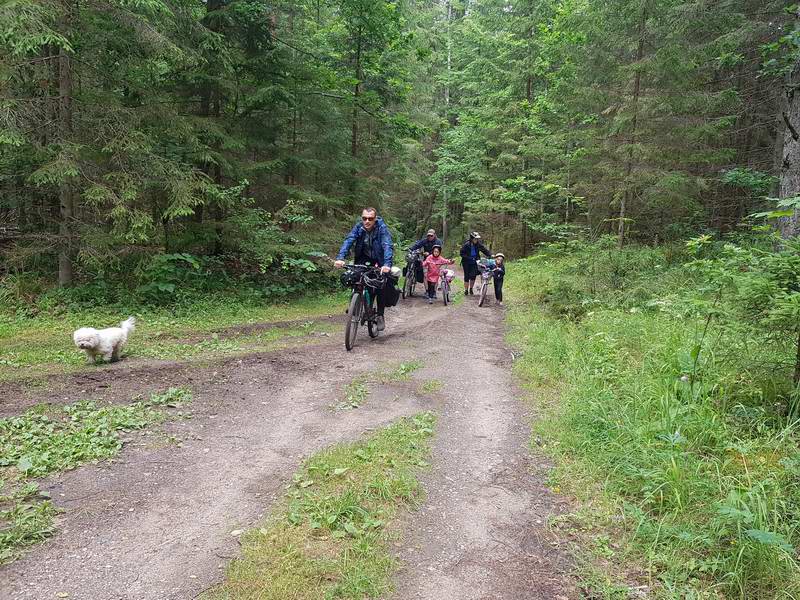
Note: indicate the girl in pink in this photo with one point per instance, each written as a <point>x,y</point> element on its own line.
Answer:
<point>431,265</point>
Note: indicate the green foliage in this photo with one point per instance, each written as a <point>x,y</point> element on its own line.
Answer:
<point>166,272</point>
<point>329,539</point>
<point>26,518</point>
<point>46,440</point>
<point>674,406</point>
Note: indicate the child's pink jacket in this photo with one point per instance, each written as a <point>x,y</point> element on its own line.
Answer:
<point>432,264</point>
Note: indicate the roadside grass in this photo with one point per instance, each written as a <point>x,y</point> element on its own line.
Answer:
<point>329,538</point>
<point>51,439</point>
<point>357,391</point>
<point>666,436</point>
<point>431,386</point>
<point>30,344</point>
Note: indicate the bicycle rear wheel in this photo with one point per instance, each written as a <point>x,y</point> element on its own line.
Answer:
<point>354,318</point>
<point>484,289</point>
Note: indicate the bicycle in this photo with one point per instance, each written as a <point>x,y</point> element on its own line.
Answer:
<point>365,282</point>
<point>413,258</point>
<point>444,285</point>
<point>485,267</point>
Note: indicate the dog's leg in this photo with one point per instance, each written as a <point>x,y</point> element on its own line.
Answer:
<point>115,353</point>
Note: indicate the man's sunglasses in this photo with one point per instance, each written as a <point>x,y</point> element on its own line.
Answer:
<point>368,218</point>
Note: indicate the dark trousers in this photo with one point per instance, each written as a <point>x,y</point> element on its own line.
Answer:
<point>431,289</point>
<point>498,289</point>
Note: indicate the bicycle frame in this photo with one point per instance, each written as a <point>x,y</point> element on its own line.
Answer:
<point>361,310</point>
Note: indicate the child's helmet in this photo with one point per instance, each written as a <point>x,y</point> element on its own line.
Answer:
<point>435,246</point>
<point>474,235</point>
<point>500,255</point>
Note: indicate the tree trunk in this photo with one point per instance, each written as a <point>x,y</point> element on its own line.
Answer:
<point>356,94</point>
<point>66,198</point>
<point>449,59</point>
<point>790,163</point>
<point>637,85</point>
<point>444,214</point>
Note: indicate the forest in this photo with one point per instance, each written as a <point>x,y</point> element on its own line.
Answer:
<point>147,141</point>
<point>638,161</point>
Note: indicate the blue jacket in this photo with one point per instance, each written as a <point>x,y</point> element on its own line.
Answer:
<point>382,251</point>
<point>426,245</point>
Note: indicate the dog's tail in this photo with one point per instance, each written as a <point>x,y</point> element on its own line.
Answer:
<point>128,324</point>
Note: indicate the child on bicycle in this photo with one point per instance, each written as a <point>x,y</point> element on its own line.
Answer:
<point>432,266</point>
<point>499,272</point>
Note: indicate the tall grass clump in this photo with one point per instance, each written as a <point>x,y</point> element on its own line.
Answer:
<point>672,375</point>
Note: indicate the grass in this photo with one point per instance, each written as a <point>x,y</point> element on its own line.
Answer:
<point>357,391</point>
<point>664,432</point>
<point>431,386</point>
<point>30,344</point>
<point>46,440</point>
<point>329,538</point>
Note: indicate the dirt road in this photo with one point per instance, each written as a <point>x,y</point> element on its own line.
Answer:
<point>156,524</point>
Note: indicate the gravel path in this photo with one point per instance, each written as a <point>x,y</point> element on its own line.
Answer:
<point>156,524</point>
<point>482,532</point>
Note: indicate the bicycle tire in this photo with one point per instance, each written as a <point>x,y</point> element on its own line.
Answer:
<point>484,289</point>
<point>353,320</point>
<point>407,285</point>
<point>370,314</point>
<point>445,292</point>
<point>372,327</point>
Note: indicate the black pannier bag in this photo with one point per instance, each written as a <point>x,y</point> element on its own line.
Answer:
<point>391,291</point>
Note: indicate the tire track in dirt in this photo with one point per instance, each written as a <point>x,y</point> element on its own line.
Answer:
<point>155,525</point>
<point>482,533</point>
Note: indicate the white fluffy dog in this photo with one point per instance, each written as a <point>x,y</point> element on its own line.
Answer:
<point>105,343</point>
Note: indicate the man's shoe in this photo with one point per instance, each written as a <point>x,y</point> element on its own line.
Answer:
<point>466,292</point>
<point>430,300</point>
<point>471,292</point>
<point>380,322</point>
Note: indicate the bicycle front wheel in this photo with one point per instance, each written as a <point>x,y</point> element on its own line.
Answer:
<point>372,325</point>
<point>445,292</point>
<point>354,318</point>
<point>484,289</point>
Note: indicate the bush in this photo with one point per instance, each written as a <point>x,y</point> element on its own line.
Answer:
<point>673,404</point>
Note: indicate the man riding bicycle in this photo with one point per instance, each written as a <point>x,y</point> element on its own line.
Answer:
<point>373,246</point>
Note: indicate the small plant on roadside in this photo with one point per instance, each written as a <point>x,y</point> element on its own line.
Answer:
<point>26,518</point>
<point>401,372</point>
<point>355,393</point>
<point>431,386</point>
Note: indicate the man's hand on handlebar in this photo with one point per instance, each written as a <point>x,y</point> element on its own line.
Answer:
<point>338,264</point>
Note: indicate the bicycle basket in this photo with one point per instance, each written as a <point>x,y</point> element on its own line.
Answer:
<point>374,281</point>
<point>349,277</point>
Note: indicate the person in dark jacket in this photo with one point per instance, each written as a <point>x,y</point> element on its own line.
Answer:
<point>499,274</point>
<point>426,244</point>
<point>372,244</point>
<point>470,253</point>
